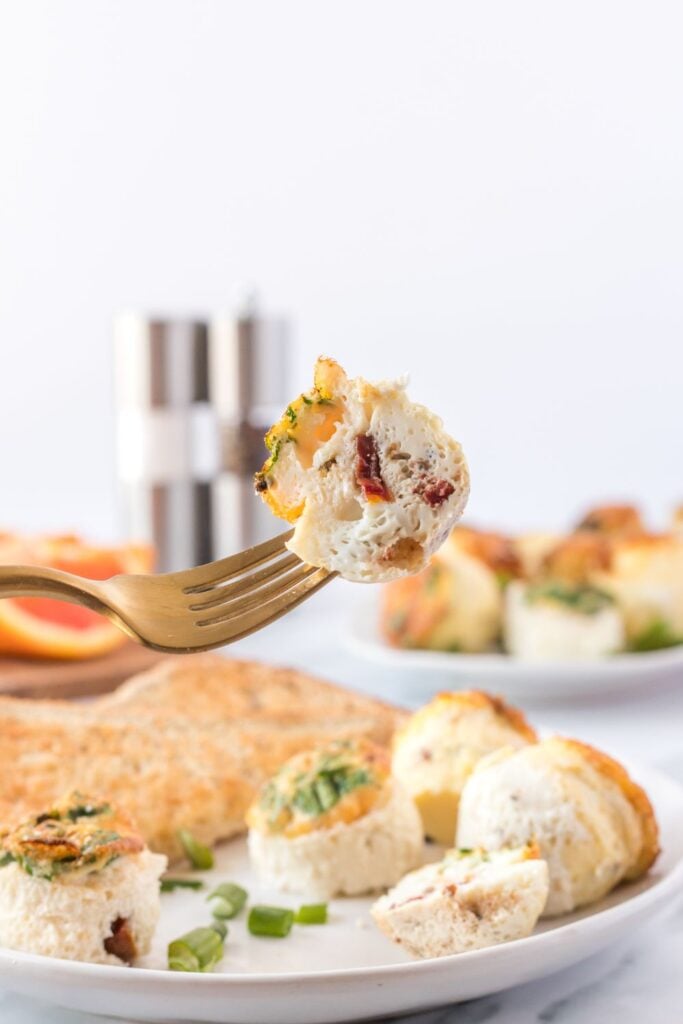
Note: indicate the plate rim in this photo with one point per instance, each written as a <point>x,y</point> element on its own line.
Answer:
<point>136,977</point>
<point>365,640</point>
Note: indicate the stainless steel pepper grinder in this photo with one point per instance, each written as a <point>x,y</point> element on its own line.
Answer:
<point>248,389</point>
<point>194,398</point>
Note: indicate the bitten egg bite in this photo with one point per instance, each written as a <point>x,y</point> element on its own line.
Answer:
<point>456,604</point>
<point>469,900</point>
<point>594,826</point>
<point>333,821</point>
<point>438,748</point>
<point>552,620</point>
<point>371,481</point>
<point>78,882</point>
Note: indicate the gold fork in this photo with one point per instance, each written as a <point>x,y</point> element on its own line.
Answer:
<point>193,610</point>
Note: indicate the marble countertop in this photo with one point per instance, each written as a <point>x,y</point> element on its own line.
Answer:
<point>639,978</point>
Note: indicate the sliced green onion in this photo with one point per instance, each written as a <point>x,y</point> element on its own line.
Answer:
<point>227,900</point>
<point>198,950</point>
<point>171,884</point>
<point>311,913</point>
<point>200,856</point>
<point>222,909</point>
<point>326,791</point>
<point>275,922</point>
<point>220,927</point>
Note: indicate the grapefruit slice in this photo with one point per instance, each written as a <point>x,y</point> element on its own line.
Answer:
<point>38,627</point>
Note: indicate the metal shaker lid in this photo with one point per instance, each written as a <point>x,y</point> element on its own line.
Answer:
<point>160,362</point>
<point>248,364</point>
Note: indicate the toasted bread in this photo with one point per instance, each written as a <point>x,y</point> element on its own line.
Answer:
<point>184,745</point>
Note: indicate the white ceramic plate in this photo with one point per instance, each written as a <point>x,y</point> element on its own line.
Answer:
<point>427,672</point>
<point>344,970</point>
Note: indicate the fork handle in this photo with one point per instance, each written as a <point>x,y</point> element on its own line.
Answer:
<point>37,581</point>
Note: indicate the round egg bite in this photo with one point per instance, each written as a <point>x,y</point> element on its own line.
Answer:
<point>456,604</point>
<point>549,620</point>
<point>78,882</point>
<point>438,748</point>
<point>594,826</point>
<point>333,821</point>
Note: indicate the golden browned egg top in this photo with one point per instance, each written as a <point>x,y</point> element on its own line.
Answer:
<point>317,789</point>
<point>78,835</point>
<point>614,520</point>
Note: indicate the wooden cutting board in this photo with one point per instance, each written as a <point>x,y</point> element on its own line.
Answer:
<point>21,677</point>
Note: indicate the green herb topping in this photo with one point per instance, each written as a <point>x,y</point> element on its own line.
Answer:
<point>585,599</point>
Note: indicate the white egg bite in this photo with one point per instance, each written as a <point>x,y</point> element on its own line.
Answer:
<point>469,900</point>
<point>540,626</point>
<point>367,854</point>
<point>78,917</point>
<point>371,480</point>
<point>439,747</point>
<point>594,826</point>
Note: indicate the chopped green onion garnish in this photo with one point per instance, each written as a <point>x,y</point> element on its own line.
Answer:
<point>220,927</point>
<point>171,884</point>
<point>311,913</point>
<point>199,950</point>
<point>200,856</point>
<point>5,859</point>
<point>227,900</point>
<point>273,921</point>
<point>222,909</point>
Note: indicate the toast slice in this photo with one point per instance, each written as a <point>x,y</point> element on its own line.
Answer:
<point>186,744</point>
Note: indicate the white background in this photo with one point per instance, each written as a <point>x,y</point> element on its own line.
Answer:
<point>487,195</point>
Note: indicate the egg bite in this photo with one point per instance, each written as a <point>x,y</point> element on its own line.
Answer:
<point>437,749</point>
<point>594,825</point>
<point>469,900</point>
<point>371,481</point>
<point>77,882</point>
<point>645,577</point>
<point>553,620</point>
<point>456,604</point>
<point>333,822</point>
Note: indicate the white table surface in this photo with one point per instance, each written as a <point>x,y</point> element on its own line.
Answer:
<point>642,979</point>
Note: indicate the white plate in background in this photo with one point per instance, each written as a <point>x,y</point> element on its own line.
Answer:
<point>427,672</point>
<point>345,970</point>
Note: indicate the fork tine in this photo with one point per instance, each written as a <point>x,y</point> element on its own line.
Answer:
<point>259,597</point>
<point>221,594</point>
<point>239,626</point>
<point>204,577</point>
